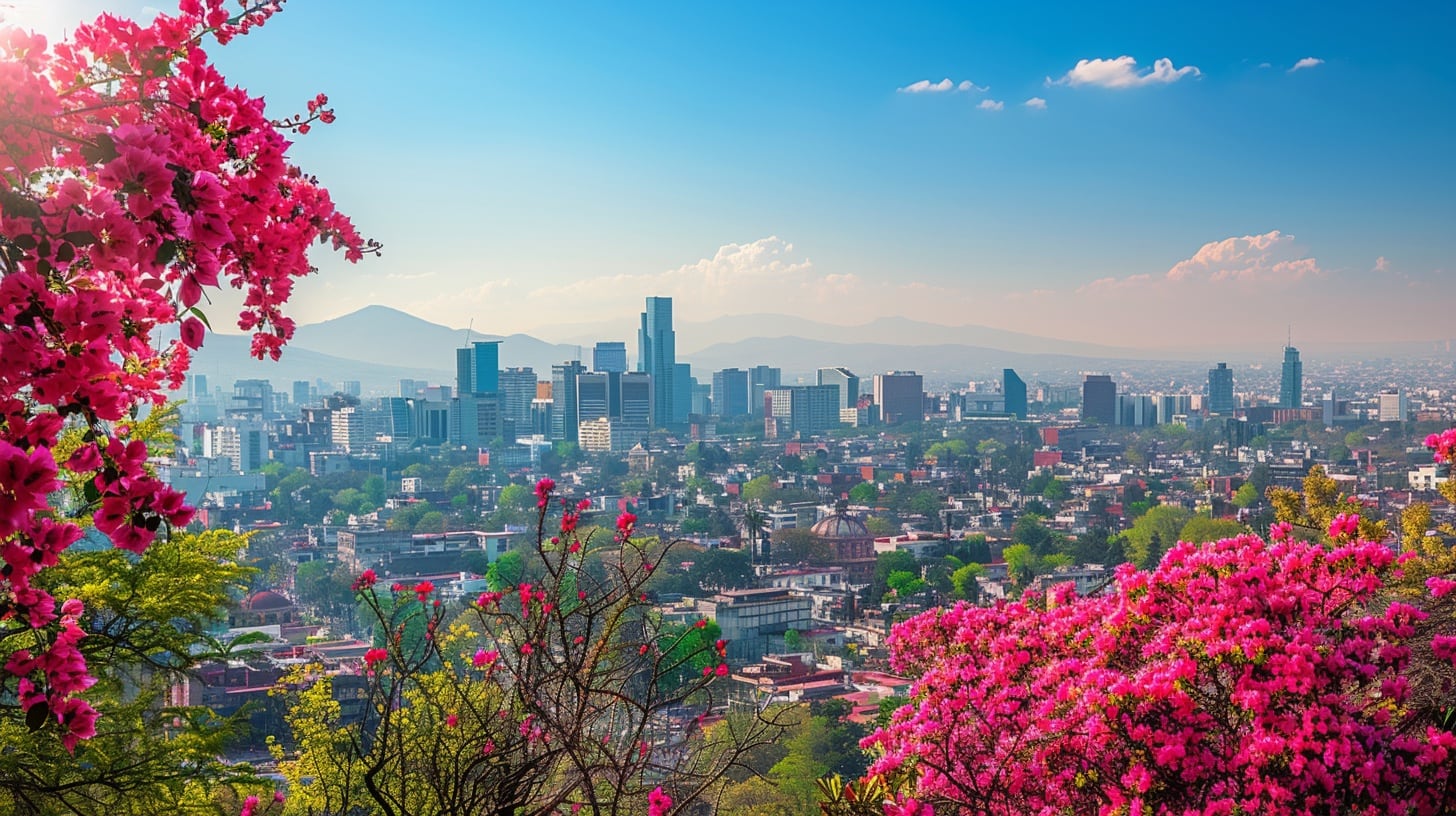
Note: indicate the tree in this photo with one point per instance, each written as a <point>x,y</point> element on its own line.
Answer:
<point>133,177</point>
<point>1021,564</point>
<point>1246,496</point>
<point>562,691</point>
<point>758,489</point>
<point>1163,523</point>
<point>141,623</point>
<point>1178,692</point>
<point>718,568</point>
<point>1056,491</point>
<point>864,493</point>
<point>794,545</point>
<point>963,582</point>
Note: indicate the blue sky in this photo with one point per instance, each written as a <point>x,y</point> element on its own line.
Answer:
<point>533,165</point>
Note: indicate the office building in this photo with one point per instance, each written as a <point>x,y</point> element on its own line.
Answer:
<point>563,397</point>
<point>477,368</point>
<point>610,357</point>
<point>1099,399</point>
<point>682,393</point>
<point>1013,390</point>
<point>302,393</point>
<point>1393,406</point>
<point>900,397</point>
<point>760,379</point>
<point>353,388</point>
<point>1291,380</point>
<point>801,410</point>
<point>517,389</point>
<point>657,355</point>
<point>1221,389</point>
<point>844,380</point>
<point>730,392</point>
<point>636,402</point>
<point>593,396</point>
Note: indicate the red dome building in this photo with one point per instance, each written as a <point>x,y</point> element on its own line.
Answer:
<point>850,545</point>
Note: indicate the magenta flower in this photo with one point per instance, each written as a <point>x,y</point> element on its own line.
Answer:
<point>543,492</point>
<point>375,656</point>
<point>658,803</point>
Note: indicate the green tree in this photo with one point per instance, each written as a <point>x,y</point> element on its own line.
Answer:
<point>864,493</point>
<point>506,572</point>
<point>1056,491</point>
<point>758,489</point>
<point>1164,522</point>
<point>1246,496</point>
<point>1021,564</point>
<point>431,522</point>
<point>963,581</point>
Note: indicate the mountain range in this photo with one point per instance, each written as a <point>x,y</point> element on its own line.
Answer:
<point>379,345</point>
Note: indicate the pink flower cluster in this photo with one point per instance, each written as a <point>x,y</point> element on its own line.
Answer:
<point>1345,526</point>
<point>161,180</point>
<point>1443,445</point>
<point>1239,677</point>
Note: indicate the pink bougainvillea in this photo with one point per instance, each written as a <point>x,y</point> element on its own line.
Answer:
<point>1240,676</point>
<point>133,178</point>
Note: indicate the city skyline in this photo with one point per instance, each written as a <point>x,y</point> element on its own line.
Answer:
<point>1292,172</point>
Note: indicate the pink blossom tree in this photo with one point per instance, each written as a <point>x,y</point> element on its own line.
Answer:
<point>133,178</point>
<point>562,694</point>
<point>1241,676</point>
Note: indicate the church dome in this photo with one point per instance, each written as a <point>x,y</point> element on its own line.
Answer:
<point>840,525</point>
<point>266,601</point>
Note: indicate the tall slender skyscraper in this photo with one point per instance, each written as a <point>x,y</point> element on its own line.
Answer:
<point>657,355</point>
<point>1291,381</point>
<point>1221,389</point>
<point>563,396</point>
<point>847,383</point>
<point>1099,399</point>
<point>1013,390</point>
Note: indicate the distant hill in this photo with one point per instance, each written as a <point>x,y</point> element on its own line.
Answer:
<point>376,345</point>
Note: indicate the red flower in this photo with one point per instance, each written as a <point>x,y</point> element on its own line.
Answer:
<point>375,656</point>
<point>423,590</point>
<point>366,580</point>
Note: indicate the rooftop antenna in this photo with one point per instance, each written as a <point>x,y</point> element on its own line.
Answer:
<point>467,331</point>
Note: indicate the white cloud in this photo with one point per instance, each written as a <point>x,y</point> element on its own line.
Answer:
<point>991,104</point>
<point>926,86</point>
<point>1381,265</point>
<point>1122,72</point>
<point>1265,65</point>
<point>1035,103</point>
<point>1307,62</point>
<point>943,86</point>
<point>1271,256</point>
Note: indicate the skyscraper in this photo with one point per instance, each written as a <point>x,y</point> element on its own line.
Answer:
<point>610,357</point>
<point>1099,399</point>
<point>1221,389</point>
<point>1291,380</point>
<point>477,368</point>
<point>845,381</point>
<point>657,355</point>
<point>730,392</point>
<point>900,396</point>
<point>760,379</point>
<point>518,388</point>
<point>1013,388</point>
<point>563,396</point>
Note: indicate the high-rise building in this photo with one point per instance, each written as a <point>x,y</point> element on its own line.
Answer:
<point>593,397</point>
<point>845,381</point>
<point>199,386</point>
<point>900,397</point>
<point>610,357</point>
<point>302,394</point>
<point>517,389</point>
<point>636,402</point>
<point>730,392</point>
<point>760,379</point>
<point>801,410</point>
<point>657,355</point>
<point>563,396</point>
<point>1013,389</point>
<point>353,388</point>
<point>1221,389</point>
<point>1291,380</point>
<point>252,400</point>
<point>1393,406</point>
<point>682,392</point>
<point>477,368</point>
<point>1099,399</point>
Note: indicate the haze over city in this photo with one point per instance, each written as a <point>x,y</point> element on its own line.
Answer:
<point>1172,179</point>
